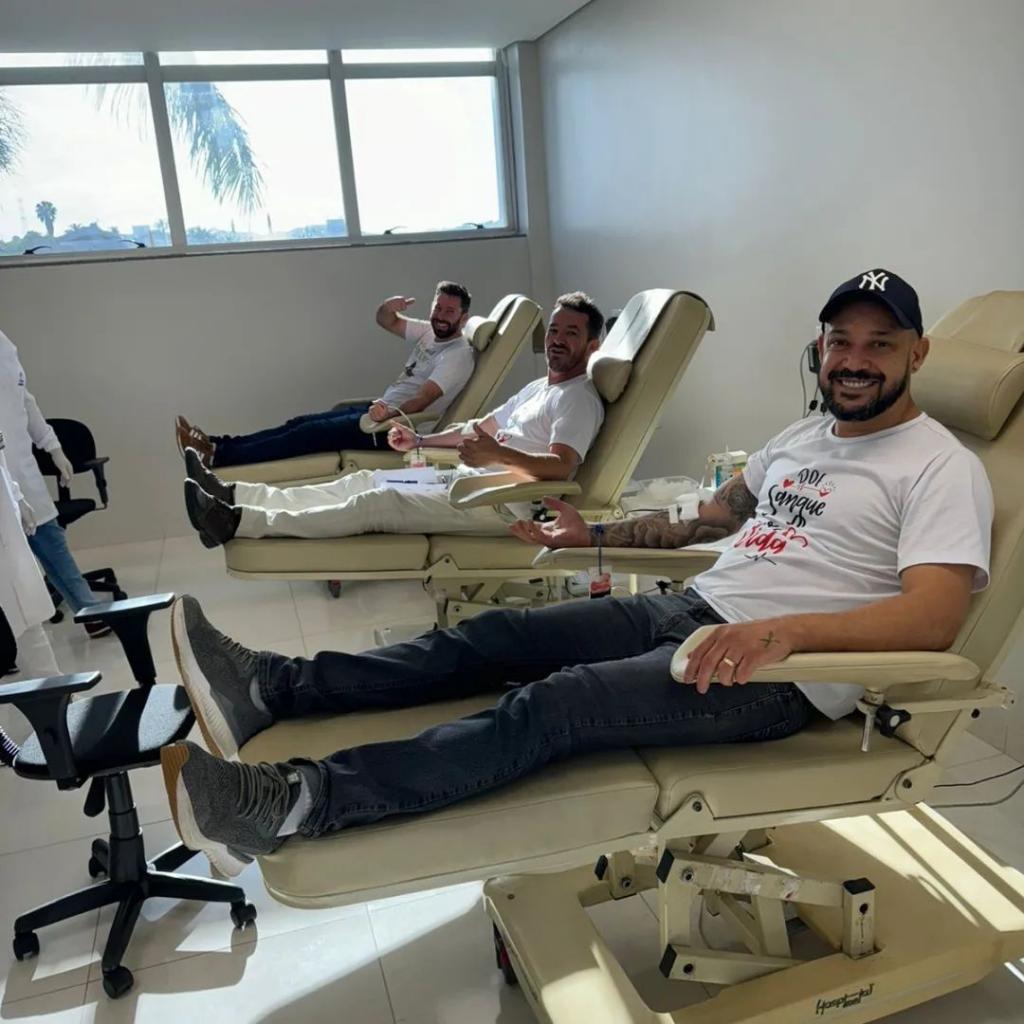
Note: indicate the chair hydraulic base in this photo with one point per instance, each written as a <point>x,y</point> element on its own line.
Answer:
<point>131,880</point>
<point>910,907</point>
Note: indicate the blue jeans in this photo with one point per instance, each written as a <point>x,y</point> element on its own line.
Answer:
<point>50,546</point>
<point>568,679</point>
<point>304,435</point>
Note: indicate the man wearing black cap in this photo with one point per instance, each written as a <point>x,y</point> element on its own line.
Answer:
<point>864,529</point>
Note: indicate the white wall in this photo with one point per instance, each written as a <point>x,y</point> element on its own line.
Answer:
<point>760,153</point>
<point>236,342</point>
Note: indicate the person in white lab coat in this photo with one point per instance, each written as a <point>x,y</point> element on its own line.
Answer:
<point>24,425</point>
<point>24,599</point>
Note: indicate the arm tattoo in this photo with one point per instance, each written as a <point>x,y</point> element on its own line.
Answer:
<point>736,496</point>
<point>769,639</point>
<point>655,531</point>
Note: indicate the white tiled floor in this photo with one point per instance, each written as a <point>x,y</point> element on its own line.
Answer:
<point>416,959</point>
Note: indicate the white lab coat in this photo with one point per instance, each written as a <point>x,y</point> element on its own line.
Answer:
<point>23,595</point>
<point>23,425</point>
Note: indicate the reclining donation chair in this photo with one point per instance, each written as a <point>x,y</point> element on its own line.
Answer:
<point>497,340</point>
<point>636,371</point>
<point>98,740</point>
<point>828,825</point>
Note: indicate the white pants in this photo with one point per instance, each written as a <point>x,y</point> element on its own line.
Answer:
<point>36,660</point>
<point>352,505</point>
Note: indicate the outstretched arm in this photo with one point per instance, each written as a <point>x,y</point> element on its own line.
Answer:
<point>389,314</point>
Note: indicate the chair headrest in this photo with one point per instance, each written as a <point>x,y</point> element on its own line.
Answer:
<point>611,366</point>
<point>969,387</point>
<point>995,320</point>
<point>479,331</point>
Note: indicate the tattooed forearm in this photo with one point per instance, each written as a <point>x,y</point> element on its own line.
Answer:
<point>657,532</point>
<point>770,639</point>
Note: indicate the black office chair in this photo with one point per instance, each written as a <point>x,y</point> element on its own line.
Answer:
<point>80,447</point>
<point>99,740</point>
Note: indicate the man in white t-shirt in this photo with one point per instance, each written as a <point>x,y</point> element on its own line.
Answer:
<point>867,529</point>
<point>542,433</point>
<point>438,368</point>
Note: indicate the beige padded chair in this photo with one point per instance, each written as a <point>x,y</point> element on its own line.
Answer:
<point>907,907</point>
<point>497,340</point>
<point>636,371</point>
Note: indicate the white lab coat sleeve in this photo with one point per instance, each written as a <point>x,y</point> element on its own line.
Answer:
<point>38,429</point>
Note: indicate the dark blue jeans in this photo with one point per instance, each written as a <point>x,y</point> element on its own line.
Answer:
<point>568,679</point>
<point>304,435</point>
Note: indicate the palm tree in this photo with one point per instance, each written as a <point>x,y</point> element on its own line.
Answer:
<point>218,142</point>
<point>47,213</point>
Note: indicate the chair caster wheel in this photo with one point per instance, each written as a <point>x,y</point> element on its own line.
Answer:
<point>96,868</point>
<point>242,914</point>
<point>117,982</point>
<point>26,945</point>
<point>503,960</point>
<point>334,588</point>
<point>120,595</point>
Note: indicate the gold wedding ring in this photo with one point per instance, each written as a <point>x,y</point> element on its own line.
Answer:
<point>729,662</point>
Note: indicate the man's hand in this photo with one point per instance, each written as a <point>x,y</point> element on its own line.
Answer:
<point>401,438</point>
<point>28,518</point>
<point>566,530</point>
<point>481,449</point>
<point>64,467</point>
<point>380,411</point>
<point>396,304</point>
<point>735,652</point>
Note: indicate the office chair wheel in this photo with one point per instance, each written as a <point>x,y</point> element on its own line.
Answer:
<point>503,960</point>
<point>26,945</point>
<point>96,868</point>
<point>334,588</point>
<point>117,982</point>
<point>120,595</point>
<point>242,914</point>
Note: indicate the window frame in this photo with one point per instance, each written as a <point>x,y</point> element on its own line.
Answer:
<point>336,72</point>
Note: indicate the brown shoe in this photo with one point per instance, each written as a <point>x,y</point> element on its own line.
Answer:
<point>188,436</point>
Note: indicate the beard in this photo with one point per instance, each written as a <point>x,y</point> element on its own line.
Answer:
<point>443,329</point>
<point>885,400</point>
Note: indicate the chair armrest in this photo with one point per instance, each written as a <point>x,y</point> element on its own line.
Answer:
<point>502,488</point>
<point>129,619</point>
<point>347,403</point>
<point>368,426</point>
<point>100,460</point>
<point>39,690</point>
<point>874,670</point>
<point>437,456</point>
<point>671,563</point>
<point>44,702</point>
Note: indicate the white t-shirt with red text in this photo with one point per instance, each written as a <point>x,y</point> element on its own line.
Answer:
<point>839,518</point>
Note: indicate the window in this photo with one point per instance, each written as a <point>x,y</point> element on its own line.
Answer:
<point>256,160</point>
<point>244,57</point>
<point>439,172</point>
<point>78,170</point>
<point>465,55</point>
<point>125,152</point>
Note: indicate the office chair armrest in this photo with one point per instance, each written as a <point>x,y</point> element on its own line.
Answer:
<point>44,702</point>
<point>669,563</point>
<point>368,426</point>
<point>502,488</point>
<point>874,670</point>
<point>129,619</point>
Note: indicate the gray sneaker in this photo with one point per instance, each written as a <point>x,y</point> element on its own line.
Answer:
<point>207,479</point>
<point>218,674</point>
<point>232,812</point>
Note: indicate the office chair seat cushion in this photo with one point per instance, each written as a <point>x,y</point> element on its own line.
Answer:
<point>116,731</point>
<point>73,509</point>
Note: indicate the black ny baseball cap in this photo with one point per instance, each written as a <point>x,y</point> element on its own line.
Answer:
<point>881,286</point>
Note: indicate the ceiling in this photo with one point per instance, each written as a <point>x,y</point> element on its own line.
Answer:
<point>107,25</point>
